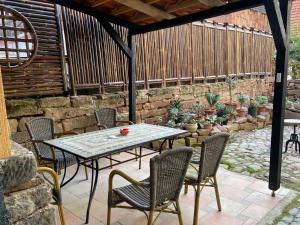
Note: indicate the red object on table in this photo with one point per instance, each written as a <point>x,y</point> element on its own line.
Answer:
<point>124,131</point>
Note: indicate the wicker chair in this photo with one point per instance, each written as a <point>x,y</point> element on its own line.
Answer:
<point>55,191</point>
<point>158,192</point>
<point>41,129</point>
<point>107,118</point>
<point>202,171</point>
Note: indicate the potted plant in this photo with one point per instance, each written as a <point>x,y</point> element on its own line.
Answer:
<point>175,110</point>
<point>220,120</point>
<point>212,100</point>
<point>262,102</point>
<point>231,81</point>
<point>252,108</point>
<point>197,109</point>
<point>231,113</point>
<point>242,111</point>
<point>190,123</point>
<point>209,122</point>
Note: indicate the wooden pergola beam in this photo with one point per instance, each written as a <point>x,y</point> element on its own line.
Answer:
<point>173,8</point>
<point>212,3</point>
<point>125,9</point>
<point>146,9</point>
<point>99,3</point>
<point>213,12</point>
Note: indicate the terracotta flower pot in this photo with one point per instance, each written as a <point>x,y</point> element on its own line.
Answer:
<point>208,126</point>
<point>242,112</point>
<point>209,112</point>
<point>261,108</point>
<point>191,127</point>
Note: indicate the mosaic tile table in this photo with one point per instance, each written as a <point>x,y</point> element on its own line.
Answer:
<point>94,145</point>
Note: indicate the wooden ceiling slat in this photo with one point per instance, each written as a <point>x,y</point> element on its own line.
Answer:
<point>172,9</point>
<point>125,9</point>
<point>212,3</point>
<point>99,3</point>
<point>146,9</point>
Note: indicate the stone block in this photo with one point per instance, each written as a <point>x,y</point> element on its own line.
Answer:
<point>44,216</point>
<point>160,104</point>
<point>190,141</point>
<point>82,101</point>
<point>79,122</point>
<point>233,127</point>
<point>22,122</point>
<point>261,118</point>
<point>58,114</point>
<point>178,143</point>
<point>20,137</point>
<point>203,132</point>
<point>200,139</point>
<point>24,203</point>
<point>58,128</point>
<point>157,145</point>
<point>153,113</point>
<point>54,102</point>
<point>260,125</point>
<point>247,126</point>
<point>13,125</point>
<point>241,120</point>
<point>22,107</point>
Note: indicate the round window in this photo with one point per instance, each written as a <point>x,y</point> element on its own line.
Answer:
<point>18,40</point>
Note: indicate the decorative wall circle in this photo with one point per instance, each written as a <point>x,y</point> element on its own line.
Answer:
<point>18,40</point>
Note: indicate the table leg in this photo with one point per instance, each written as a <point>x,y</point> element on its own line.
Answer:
<point>162,145</point>
<point>65,171</point>
<point>94,182</point>
<point>140,160</point>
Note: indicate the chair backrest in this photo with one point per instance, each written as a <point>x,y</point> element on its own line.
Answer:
<point>106,117</point>
<point>211,153</point>
<point>41,128</point>
<point>167,172</point>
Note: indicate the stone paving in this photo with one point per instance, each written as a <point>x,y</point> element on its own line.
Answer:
<point>248,153</point>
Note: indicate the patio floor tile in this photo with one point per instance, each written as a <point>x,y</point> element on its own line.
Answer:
<point>245,200</point>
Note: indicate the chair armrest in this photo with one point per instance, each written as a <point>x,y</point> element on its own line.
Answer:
<point>125,121</point>
<point>56,185</point>
<point>125,176</point>
<point>100,126</point>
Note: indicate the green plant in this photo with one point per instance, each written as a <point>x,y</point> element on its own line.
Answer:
<point>253,104</point>
<point>212,99</point>
<point>243,99</point>
<point>231,81</point>
<point>210,119</point>
<point>230,112</point>
<point>190,119</point>
<point>294,57</point>
<point>220,120</point>
<point>197,109</point>
<point>262,100</point>
<point>175,110</point>
<point>171,123</point>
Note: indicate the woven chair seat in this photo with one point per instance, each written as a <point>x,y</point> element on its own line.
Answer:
<point>138,197</point>
<point>192,173</point>
<point>70,159</point>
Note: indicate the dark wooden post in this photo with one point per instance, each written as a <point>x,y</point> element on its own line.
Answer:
<point>131,79</point>
<point>279,89</point>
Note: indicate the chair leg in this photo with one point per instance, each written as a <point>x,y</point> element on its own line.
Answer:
<point>186,188</point>
<point>108,215</point>
<point>179,213</point>
<point>217,194</point>
<point>150,218</point>
<point>196,207</point>
<point>86,173</point>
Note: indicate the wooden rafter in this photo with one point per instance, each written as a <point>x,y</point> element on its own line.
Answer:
<point>125,9</point>
<point>147,9</point>
<point>172,9</point>
<point>99,3</point>
<point>212,3</point>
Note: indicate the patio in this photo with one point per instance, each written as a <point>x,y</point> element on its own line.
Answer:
<point>245,200</point>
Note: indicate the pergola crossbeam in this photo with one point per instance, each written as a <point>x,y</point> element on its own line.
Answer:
<point>276,23</point>
<point>212,3</point>
<point>147,9</point>
<point>213,12</point>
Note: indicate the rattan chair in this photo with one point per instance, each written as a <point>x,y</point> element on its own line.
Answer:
<point>202,171</point>
<point>157,193</point>
<point>107,118</point>
<point>56,192</point>
<point>41,129</point>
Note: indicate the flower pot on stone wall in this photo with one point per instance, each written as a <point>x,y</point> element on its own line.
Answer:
<point>191,127</point>
<point>261,108</point>
<point>242,112</point>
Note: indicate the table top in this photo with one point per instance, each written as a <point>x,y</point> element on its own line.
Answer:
<point>292,121</point>
<point>108,141</point>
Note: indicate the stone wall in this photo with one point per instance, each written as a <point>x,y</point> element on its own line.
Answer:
<point>293,88</point>
<point>76,113</point>
<point>26,196</point>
